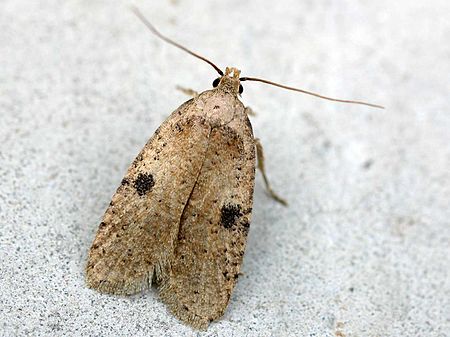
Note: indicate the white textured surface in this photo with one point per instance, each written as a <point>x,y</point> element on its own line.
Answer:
<point>363,248</point>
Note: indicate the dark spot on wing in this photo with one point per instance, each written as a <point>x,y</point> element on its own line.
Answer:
<point>229,215</point>
<point>178,127</point>
<point>143,183</point>
<point>125,182</point>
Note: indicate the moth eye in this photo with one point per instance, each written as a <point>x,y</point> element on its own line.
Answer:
<point>216,82</point>
<point>241,89</point>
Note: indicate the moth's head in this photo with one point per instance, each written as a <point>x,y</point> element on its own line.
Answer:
<point>229,82</point>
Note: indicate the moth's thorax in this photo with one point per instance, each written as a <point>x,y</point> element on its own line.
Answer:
<point>220,107</point>
<point>230,81</point>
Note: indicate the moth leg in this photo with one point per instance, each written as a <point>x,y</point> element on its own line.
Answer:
<point>249,111</point>
<point>188,91</point>
<point>260,155</point>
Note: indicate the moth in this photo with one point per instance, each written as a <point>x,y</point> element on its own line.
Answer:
<point>181,215</point>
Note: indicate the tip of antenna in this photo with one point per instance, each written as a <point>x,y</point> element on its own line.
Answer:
<point>133,8</point>
<point>370,104</point>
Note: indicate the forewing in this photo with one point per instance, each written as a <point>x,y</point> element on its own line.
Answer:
<point>137,234</point>
<point>213,229</point>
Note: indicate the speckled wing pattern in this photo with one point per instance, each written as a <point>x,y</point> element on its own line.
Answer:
<point>214,227</point>
<point>139,229</point>
<point>182,212</point>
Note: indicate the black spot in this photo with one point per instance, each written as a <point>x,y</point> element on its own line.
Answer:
<point>230,214</point>
<point>143,183</point>
<point>102,224</point>
<point>125,182</point>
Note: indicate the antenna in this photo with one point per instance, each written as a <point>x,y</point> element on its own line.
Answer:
<point>173,43</point>
<point>242,79</point>
<point>310,92</point>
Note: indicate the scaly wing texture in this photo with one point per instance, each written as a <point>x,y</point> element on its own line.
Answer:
<point>213,228</point>
<point>137,234</point>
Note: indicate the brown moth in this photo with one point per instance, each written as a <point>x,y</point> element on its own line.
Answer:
<point>181,214</point>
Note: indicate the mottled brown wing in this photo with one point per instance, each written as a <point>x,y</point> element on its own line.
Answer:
<point>137,234</point>
<point>213,228</point>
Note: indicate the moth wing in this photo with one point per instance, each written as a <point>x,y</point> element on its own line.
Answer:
<point>213,229</point>
<point>137,234</point>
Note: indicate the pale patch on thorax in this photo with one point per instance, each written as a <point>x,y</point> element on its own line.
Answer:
<point>219,108</point>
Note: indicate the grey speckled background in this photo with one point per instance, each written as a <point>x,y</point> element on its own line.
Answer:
<point>363,248</point>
